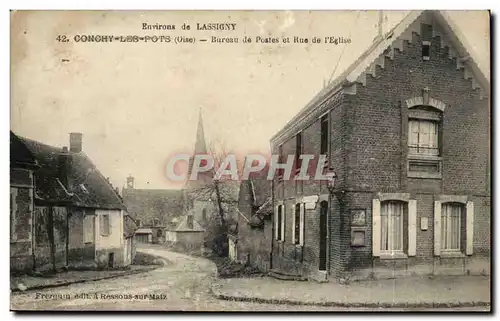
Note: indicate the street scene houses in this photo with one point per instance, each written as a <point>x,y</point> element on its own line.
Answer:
<point>405,131</point>
<point>154,210</point>
<point>64,212</point>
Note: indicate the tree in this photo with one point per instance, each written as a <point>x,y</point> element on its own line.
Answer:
<point>223,194</point>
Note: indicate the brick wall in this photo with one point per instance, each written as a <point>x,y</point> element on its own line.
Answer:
<point>369,154</point>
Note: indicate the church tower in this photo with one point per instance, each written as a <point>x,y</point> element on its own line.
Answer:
<point>197,192</point>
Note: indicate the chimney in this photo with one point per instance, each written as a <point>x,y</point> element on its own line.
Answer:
<point>64,168</point>
<point>75,142</point>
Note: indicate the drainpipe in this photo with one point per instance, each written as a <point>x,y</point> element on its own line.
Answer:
<point>272,228</point>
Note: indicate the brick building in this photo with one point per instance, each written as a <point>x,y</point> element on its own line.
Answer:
<point>406,130</point>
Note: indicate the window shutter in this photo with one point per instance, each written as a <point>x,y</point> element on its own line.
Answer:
<point>470,228</point>
<point>293,224</point>
<point>276,220</point>
<point>101,224</point>
<point>302,219</point>
<point>412,228</point>
<point>283,217</point>
<point>376,227</point>
<point>437,228</point>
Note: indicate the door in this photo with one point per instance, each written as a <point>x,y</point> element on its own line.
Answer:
<point>323,236</point>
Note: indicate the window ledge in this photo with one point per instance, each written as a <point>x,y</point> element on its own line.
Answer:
<point>451,254</point>
<point>393,256</point>
<point>424,157</point>
<point>424,175</point>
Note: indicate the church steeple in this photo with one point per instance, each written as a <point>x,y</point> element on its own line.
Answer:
<point>200,146</point>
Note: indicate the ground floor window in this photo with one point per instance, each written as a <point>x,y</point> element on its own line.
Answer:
<point>280,223</point>
<point>451,222</point>
<point>392,231</point>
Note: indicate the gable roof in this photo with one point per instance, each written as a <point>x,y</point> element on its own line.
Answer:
<point>147,204</point>
<point>183,227</point>
<point>88,187</point>
<point>443,27</point>
<point>20,155</point>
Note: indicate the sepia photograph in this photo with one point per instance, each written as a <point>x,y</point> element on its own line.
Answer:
<point>250,160</point>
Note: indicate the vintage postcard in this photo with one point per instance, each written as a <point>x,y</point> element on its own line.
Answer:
<point>250,161</point>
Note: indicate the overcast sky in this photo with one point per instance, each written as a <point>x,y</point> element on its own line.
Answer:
<point>137,103</point>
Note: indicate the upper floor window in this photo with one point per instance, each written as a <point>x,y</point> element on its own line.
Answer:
<point>324,135</point>
<point>190,222</point>
<point>280,171</point>
<point>423,137</point>
<point>298,151</point>
<point>424,140</point>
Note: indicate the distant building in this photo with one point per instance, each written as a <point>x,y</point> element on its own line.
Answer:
<point>154,210</point>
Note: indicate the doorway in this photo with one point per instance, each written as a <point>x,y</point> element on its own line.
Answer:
<point>323,236</point>
<point>111,260</point>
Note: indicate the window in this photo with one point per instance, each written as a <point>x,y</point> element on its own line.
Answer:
<point>190,223</point>
<point>204,214</point>
<point>159,233</point>
<point>453,226</point>
<point>423,137</point>
<point>280,160</point>
<point>280,223</point>
<point>426,50</point>
<point>297,225</point>
<point>105,225</point>
<point>88,228</point>
<point>392,217</point>
<point>451,223</point>
<point>298,151</point>
<point>324,136</point>
<point>138,222</point>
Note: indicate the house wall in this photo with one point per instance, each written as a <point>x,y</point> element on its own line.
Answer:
<point>188,240</point>
<point>197,211</point>
<point>253,245</point>
<point>50,230</point>
<point>21,220</point>
<point>81,254</point>
<point>111,244</point>
<point>379,161</point>
<point>369,154</point>
<point>287,256</point>
<point>143,238</point>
